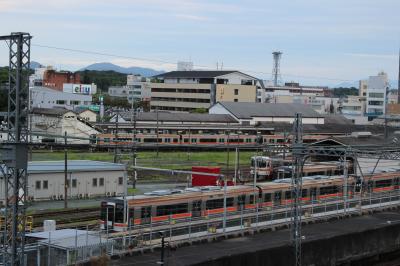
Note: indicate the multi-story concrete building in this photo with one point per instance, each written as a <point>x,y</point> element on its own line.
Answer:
<point>362,88</point>
<point>377,95</point>
<point>267,93</point>
<point>183,91</point>
<point>137,88</point>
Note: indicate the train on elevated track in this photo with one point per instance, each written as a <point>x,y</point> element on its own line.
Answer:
<point>119,214</point>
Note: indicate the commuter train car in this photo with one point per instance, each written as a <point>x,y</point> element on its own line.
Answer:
<point>202,202</point>
<point>194,139</point>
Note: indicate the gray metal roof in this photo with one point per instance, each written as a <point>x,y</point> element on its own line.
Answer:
<point>181,117</point>
<point>194,74</point>
<point>243,110</point>
<point>50,111</point>
<point>198,74</point>
<point>73,166</point>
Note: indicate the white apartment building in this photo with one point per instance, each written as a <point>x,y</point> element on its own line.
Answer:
<point>267,93</point>
<point>377,95</point>
<point>137,88</point>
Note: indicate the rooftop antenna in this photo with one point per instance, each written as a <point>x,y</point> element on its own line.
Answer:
<point>276,72</point>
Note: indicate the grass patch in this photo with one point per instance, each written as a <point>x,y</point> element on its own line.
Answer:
<point>170,160</point>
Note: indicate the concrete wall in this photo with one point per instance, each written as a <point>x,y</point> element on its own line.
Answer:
<point>226,93</point>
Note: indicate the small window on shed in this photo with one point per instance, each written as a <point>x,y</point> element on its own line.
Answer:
<point>94,182</point>
<point>45,184</point>
<point>120,180</point>
<point>37,185</point>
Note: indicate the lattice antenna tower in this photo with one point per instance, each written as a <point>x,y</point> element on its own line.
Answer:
<point>276,72</point>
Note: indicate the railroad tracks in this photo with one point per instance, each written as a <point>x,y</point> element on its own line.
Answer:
<point>73,217</point>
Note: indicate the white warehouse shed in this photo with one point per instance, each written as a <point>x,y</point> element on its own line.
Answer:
<point>85,179</point>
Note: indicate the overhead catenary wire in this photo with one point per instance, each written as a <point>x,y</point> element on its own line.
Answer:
<point>174,63</point>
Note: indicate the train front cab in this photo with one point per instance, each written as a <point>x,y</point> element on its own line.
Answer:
<point>112,215</point>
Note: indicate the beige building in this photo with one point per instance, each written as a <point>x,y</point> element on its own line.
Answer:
<point>362,88</point>
<point>183,91</point>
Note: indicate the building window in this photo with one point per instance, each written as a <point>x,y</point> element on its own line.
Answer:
<point>37,185</point>
<point>236,91</point>
<point>376,95</point>
<point>120,180</point>
<point>45,184</point>
<point>74,102</point>
<point>74,183</point>
<point>235,100</point>
<point>94,182</point>
<point>60,102</point>
<point>101,181</point>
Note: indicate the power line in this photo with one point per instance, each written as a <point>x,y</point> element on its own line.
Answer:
<point>174,63</point>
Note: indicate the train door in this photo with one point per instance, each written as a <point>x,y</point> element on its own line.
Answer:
<point>313,193</point>
<point>196,208</point>
<point>277,198</point>
<point>241,202</point>
<point>107,215</point>
<point>146,214</point>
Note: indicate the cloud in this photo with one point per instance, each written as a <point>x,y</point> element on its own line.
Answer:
<point>374,56</point>
<point>192,17</point>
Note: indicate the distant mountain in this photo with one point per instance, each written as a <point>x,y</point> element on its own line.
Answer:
<point>146,72</point>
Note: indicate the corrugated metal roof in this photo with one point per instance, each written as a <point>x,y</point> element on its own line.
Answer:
<point>181,117</point>
<point>50,111</point>
<point>248,110</point>
<point>73,166</point>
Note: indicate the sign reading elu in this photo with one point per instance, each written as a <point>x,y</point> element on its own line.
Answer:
<point>78,88</point>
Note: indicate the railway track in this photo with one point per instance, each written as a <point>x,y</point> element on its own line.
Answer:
<point>69,217</point>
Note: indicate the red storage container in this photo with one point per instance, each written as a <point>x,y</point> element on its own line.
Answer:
<point>205,180</point>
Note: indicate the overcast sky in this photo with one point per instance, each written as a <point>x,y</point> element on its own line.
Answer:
<point>323,41</point>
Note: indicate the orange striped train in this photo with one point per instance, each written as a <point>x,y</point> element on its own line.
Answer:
<point>203,202</point>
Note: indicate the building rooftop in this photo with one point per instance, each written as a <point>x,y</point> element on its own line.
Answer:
<point>180,117</point>
<point>73,166</point>
<point>50,111</point>
<point>243,110</point>
<point>197,74</point>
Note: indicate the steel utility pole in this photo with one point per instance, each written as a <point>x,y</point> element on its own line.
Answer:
<point>297,180</point>
<point>116,138</point>
<point>134,147</point>
<point>65,171</point>
<point>14,152</point>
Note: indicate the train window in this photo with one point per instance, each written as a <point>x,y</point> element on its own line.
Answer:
<point>328,190</point>
<point>383,183</point>
<point>167,140</point>
<point>221,140</point>
<point>288,194</point>
<point>119,213</point>
<point>214,204</point>
<point>267,197</point>
<point>194,140</point>
<point>186,140</point>
<point>149,140</point>
<point>106,140</point>
<point>172,209</point>
<point>251,199</point>
<point>145,212</point>
<point>304,193</point>
<point>397,181</point>
<point>277,196</point>
<point>175,140</point>
<point>208,140</point>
